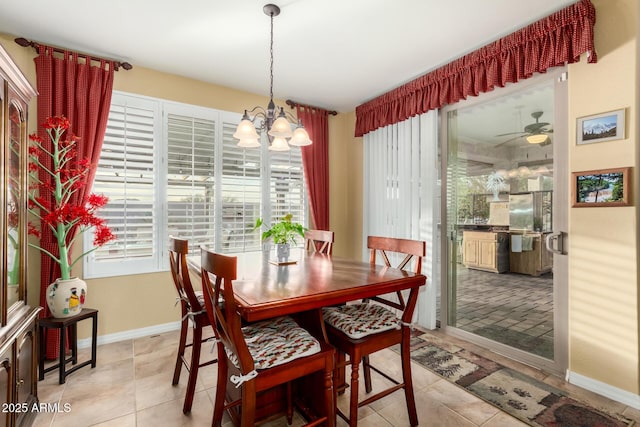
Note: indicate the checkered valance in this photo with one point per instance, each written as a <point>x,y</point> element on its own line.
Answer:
<point>553,41</point>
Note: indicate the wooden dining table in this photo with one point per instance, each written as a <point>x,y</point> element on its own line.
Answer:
<point>307,283</point>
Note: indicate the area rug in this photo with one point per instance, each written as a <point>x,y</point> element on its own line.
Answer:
<point>529,400</point>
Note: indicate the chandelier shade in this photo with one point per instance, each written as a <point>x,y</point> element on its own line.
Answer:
<point>278,128</point>
<point>300,137</point>
<point>279,144</point>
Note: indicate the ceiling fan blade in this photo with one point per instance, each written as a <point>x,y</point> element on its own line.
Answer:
<point>535,127</point>
<point>512,133</point>
<point>508,140</point>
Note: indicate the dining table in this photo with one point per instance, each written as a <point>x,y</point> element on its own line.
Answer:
<point>307,282</point>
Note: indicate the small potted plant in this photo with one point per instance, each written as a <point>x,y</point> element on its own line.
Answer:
<point>283,233</point>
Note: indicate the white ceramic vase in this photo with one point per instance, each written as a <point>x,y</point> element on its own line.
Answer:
<point>282,252</point>
<point>65,298</point>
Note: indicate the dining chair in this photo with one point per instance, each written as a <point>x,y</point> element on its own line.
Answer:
<point>358,330</point>
<point>319,241</point>
<point>261,355</point>
<point>193,312</point>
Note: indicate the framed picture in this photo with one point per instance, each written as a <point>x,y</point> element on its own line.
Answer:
<point>600,127</point>
<point>604,187</point>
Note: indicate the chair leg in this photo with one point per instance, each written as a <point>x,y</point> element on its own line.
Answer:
<point>289,404</point>
<point>366,373</point>
<point>193,369</point>
<point>221,388</point>
<point>248,411</point>
<point>329,396</point>
<point>181,346</point>
<point>338,378</point>
<point>353,398</point>
<point>405,354</point>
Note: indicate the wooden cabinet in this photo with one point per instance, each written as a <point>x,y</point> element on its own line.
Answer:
<point>534,262</point>
<point>486,250</point>
<point>18,343</point>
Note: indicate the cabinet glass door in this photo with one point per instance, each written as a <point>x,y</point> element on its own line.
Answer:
<point>14,203</point>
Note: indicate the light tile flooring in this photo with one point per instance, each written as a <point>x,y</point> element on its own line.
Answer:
<point>131,386</point>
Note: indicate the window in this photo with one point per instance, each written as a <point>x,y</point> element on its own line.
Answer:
<point>175,169</point>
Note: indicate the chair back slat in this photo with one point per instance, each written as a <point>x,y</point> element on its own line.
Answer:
<point>411,249</point>
<point>178,252</point>
<point>221,306</point>
<point>319,241</point>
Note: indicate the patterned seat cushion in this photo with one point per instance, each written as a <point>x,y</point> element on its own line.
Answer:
<point>360,320</point>
<point>200,297</point>
<point>276,341</point>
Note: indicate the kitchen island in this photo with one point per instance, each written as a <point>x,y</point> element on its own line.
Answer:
<point>491,249</point>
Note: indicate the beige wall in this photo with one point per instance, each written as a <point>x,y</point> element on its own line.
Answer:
<point>603,244</point>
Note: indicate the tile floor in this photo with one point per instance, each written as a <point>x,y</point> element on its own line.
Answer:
<point>131,386</point>
<point>514,309</point>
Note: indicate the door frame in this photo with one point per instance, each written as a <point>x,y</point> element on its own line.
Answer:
<point>560,224</point>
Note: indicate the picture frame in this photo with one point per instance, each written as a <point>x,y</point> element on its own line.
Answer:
<point>601,127</point>
<point>601,188</point>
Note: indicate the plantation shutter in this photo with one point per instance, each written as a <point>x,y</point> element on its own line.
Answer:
<point>241,193</point>
<point>125,174</point>
<point>191,145</point>
<point>287,192</point>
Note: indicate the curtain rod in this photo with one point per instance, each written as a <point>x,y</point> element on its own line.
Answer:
<point>294,104</point>
<point>27,43</point>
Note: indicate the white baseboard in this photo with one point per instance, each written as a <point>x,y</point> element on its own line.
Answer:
<point>604,389</point>
<point>131,334</point>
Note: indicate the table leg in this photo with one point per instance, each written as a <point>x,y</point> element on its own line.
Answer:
<point>62,366</point>
<point>73,340</point>
<point>94,340</point>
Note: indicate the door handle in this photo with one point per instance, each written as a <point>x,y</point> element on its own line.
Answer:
<point>553,242</point>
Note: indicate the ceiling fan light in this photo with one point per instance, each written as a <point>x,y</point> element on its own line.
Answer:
<point>279,144</point>
<point>281,128</point>
<point>537,138</point>
<point>245,130</point>
<point>300,137</point>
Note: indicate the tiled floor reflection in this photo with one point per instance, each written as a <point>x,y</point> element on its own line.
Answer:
<point>131,386</point>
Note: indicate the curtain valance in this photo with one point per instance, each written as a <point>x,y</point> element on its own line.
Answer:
<point>553,41</point>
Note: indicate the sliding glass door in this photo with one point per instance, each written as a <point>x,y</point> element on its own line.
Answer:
<point>505,203</point>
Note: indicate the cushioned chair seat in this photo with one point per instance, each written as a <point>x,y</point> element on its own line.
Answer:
<point>276,341</point>
<point>200,297</point>
<point>360,320</point>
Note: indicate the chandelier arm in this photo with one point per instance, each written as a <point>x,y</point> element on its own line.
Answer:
<point>256,111</point>
<point>289,116</point>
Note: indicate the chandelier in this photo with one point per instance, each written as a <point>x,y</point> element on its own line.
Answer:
<point>274,119</point>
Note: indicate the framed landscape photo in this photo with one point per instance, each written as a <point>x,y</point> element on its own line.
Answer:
<point>604,187</point>
<point>600,127</point>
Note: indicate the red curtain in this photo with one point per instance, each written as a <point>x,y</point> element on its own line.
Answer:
<point>71,86</point>
<point>315,160</point>
<point>553,41</point>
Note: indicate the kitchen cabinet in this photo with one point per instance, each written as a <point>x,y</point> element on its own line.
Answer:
<point>486,250</point>
<point>534,262</point>
<point>18,341</point>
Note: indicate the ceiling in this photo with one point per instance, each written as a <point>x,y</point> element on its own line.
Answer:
<point>334,54</point>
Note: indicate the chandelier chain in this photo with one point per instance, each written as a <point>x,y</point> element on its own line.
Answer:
<point>271,56</point>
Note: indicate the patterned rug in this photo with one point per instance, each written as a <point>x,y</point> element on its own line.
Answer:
<point>529,400</point>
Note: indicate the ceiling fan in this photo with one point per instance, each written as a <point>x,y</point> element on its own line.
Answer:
<point>535,133</point>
